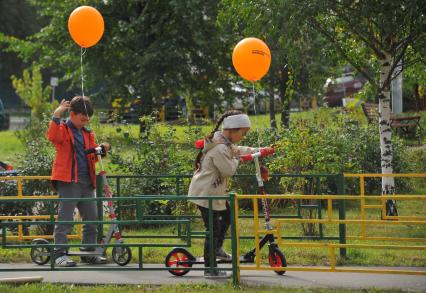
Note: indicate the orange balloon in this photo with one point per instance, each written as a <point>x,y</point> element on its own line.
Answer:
<point>251,58</point>
<point>86,26</point>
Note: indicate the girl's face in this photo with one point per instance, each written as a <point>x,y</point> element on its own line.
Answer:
<point>235,135</point>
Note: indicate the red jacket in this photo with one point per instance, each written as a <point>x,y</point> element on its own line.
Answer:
<point>61,136</point>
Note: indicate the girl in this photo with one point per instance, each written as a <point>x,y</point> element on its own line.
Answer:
<point>216,162</point>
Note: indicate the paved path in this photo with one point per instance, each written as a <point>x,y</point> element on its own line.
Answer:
<point>267,278</point>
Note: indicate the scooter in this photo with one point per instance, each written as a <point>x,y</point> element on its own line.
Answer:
<point>120,255</point>
<point>179,258</point>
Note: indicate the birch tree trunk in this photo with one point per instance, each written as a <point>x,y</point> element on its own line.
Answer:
<point>386,151</point>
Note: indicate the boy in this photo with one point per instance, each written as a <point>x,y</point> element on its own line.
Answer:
<point>74,174</point>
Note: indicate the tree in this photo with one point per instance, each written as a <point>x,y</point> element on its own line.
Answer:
<point>30,90</point>
<point>148,49</point>
<point>370,35</point>
<point>414,84</point>
<point>299,59</point>
<point>17,19</point>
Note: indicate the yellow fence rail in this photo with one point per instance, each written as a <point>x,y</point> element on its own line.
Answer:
<point>363,221</point>
<point>382,206</point>
<point>20,195</point>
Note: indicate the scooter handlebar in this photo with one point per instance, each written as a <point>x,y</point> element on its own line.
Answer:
<point>100,150</point>
<point>263,152</point>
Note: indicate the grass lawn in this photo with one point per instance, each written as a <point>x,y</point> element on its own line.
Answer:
<point>294,255</point>
<point>11,147</point>
<point>178,288</point>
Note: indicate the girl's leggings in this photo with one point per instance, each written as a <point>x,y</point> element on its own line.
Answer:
<point>221,222</point>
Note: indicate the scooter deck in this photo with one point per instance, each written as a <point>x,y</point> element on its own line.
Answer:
<point>200,260</point>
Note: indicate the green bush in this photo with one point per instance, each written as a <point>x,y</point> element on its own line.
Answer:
<point>331,143</point>
<point>416,160</point>
<point>155,152</point>
<point>340,145</point>
<point>37,161</point>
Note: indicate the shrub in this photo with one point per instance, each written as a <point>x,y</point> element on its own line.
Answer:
<point>333,144</point>
<point>37,161</point>
<point>153,153</point>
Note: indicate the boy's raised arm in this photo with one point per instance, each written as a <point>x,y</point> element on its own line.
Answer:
<point>55,133</point>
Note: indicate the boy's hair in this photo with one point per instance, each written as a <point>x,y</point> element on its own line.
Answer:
<point>81,105</point>
<point>197,163</point>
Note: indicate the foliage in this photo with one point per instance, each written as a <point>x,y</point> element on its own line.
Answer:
<point>416,160</point>
<point>365,32</point>
<point>327,146</point>
<point>415,74</point>
<point>340,145</point>
<point>370,35</point>
<point>18,20</point>
<point>30,90</point>
<point>366,94</point>
<point>300,57</point>
<point>331,141</point>
<point>155,152</point>
<point>147,49</point>
<point>36,161</point>
<point>325,141</point>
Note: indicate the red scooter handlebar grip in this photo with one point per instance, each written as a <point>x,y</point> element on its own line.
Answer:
<point>264,152</point>
<point>199,144</point>
<point>246,158</point>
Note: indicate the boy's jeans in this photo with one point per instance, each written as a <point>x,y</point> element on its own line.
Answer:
<point>88,211</point>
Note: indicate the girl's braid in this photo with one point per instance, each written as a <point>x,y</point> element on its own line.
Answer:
<point>197,163</point>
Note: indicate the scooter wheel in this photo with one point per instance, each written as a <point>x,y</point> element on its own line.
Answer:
<point>175,256</point>
<point>40,255</point>
<point>277,259</point>
<point>121,255</point>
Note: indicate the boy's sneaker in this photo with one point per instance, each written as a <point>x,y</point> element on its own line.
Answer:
<point>94,260</point>
<point>216,274</point>
<point>64,261</point>
<point>223,255</point>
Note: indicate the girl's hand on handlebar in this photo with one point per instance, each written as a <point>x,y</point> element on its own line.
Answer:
<point>235,152</point>
<point>269,150</point>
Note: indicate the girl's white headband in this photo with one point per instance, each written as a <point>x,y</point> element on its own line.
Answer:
<point>236,121</point>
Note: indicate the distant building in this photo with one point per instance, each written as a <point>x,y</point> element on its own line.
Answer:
<point>342,87</point>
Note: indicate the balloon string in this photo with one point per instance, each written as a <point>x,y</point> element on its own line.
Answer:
<point>255,116</point>
<point>82,52</point>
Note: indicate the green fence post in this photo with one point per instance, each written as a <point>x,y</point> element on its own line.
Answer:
<point>139,210</point>
<point>117,186</point>
<point>211,235</point>
<point>177,185</point>
<point>179,226</point>
<point>118,203</point>
<point>342,215</point>
<point>99,193</point>
<point>52,212</point>
<point>3,235</point>
<point>318,192</point>
<point>140,257</point>
<point>52,221</point>
<point>235,269</point>
<point>299,212</point>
